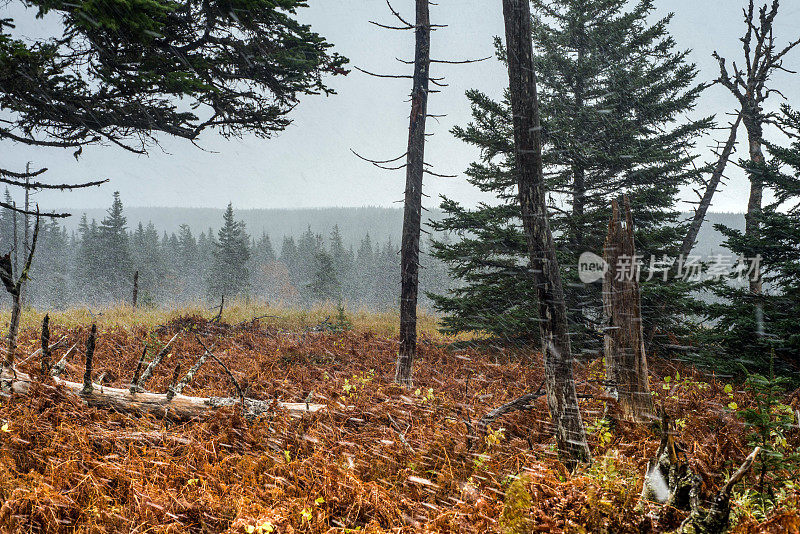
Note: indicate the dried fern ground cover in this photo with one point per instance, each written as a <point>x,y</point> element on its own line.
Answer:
<point>378,459</point>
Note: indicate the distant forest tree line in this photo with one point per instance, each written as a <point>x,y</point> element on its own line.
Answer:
<point>95,264</point>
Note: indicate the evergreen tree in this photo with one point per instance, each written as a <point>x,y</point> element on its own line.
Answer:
<point>386,283</point>
<point>309,248</point>
<point>264,270</point>
<point>342,263</point>
<point>129,73</point>
<point>228,275</point>
<point>7,225</point>
<point>114,270</point>
<point>342,259</point>
<point>188,258</point>
<point>262,249</point>
<point>87,262</point>
<point>324,285</point>
<point>611,86</point>
<point>364,273</point>
<point>749,326</point>
<point>49,284</point>
<point>149,261</point>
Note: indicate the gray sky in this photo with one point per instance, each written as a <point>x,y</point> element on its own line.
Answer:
<point>310,164</point>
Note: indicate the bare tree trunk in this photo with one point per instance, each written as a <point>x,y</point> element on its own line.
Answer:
<point>14,288</point>
<point>626,363</point>
<point>16,240</point>
<point>13,331</point>
<point>755,133</point>
<point>412,214</point>
<point>559,381</point>
<point>135,288</point>
<point>713,182</point>
<point>26,234</point>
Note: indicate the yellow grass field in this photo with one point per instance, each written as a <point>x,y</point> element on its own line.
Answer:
<point>381,323</point>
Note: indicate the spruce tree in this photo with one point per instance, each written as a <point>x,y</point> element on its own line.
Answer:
<point>262,249</point>
<point>113,269</point>
<point>612,89</point>
<point>87,262</point>
<point>324,285</point>
<point>51,271</point>
<point>309,247</point>
<point>228,275</point>
<point>342,263</point>
<point>188,254</point>
<point>263,269</point>
<point>7,225</point>
<point>749,326</point>
<point>124,73</point>
<point>363,272</point>
<point>149,261</point>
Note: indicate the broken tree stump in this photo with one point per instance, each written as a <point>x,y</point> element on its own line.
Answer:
<point>626,363</point>
<point>671,481</point>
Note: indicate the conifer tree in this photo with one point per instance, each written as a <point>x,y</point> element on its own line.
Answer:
<point>264,271</point>
<point>364,272</point>
<point>188,255</point>
<point>612,91</point>
<point>324,285</point>
<point>7,225</point>
<point>341,259</point>
<point>114,268</point>
<point>149,261</point>
<point>749,326</point>
<point>228,275</point>
<point>309,247</point>
<point>123,73</point>
<point>342,263</point>
<point>87,261</point>
<point>262,249</point>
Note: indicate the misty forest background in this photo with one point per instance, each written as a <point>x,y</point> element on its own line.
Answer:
<point>292,257</point>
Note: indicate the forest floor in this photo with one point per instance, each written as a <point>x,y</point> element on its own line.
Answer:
<point>378,459</point>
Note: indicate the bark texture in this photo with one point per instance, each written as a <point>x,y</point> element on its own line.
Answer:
<point>754,127</point>
<point>559,380</point>
<point>412,212</point>
<point>626,362</point>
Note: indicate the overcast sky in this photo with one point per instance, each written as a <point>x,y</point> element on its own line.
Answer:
<point>310,164</point>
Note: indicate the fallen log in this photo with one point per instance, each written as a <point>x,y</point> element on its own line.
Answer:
<point>179,407</point>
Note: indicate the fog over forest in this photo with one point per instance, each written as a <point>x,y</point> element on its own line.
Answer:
<point>294,256</point>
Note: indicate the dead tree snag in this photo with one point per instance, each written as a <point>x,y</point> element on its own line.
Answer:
<point>416,168</point>
<point>626,363</point>
<point>750,85</point>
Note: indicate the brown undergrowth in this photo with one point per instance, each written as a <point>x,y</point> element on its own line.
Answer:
<point>380,459</point>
